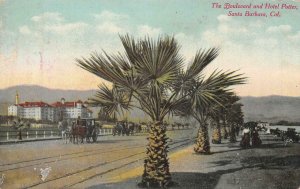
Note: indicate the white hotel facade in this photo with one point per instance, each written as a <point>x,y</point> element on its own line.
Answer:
<point>54,112</point>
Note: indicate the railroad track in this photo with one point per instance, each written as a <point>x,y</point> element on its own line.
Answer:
<point>121,166</point>
<point>89,171</point>
<point>63,157</point>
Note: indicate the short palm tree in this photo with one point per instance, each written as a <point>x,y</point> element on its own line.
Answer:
<point>216,135</point>
<point>209,113</point>
<point>220,118</point>
<point>234,116</point>
<point>151,77</point>
<point>223,122</point>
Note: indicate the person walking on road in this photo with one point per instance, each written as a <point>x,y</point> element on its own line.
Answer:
<point>245,142</point>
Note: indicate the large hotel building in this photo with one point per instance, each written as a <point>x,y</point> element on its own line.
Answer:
<point>50,112</point>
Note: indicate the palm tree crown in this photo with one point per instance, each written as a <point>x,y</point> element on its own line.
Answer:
<point>151,73</point>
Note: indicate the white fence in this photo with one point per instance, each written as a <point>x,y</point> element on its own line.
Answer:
<point>46,134</point>
<point>31,134</point>
<point>39,134</point>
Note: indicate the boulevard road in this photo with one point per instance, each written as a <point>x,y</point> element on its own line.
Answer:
<point>54,164</point>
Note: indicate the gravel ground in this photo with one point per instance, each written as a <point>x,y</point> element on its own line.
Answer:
<point>273,165</point>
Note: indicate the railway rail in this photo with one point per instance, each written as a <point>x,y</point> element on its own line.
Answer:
<point>97,168</point>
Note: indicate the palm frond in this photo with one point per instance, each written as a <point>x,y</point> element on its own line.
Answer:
<point>201,60</point>
<point>111,100</point>
<point>156,60</point>
<point>151,72</point>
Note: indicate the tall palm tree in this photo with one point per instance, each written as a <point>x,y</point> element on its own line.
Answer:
<point>151,73</point>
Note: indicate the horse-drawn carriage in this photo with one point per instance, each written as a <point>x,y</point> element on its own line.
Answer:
<point>85,128</point>
<point>290,135</point>
<point>126,128</point>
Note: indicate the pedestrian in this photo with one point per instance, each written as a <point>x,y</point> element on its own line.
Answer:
<point>256,141</point>
<point>245,142</point>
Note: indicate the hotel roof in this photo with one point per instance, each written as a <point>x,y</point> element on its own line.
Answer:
<point>67,104</point>
<point>34,104</point>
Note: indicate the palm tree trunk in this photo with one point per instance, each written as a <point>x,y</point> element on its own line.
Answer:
<point>156,164</point>
<point>202,142</point>
<point>232,133</point>
<point>224,130</point>
<point>216,137</point>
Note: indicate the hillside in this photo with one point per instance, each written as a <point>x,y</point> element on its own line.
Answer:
<point>38,93</point>
<point>268,108</point>
<point>271,108</point>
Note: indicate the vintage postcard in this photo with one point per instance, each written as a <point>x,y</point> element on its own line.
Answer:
<point>115,94</point>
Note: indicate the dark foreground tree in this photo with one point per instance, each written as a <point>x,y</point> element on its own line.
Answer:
<point>151,77</point>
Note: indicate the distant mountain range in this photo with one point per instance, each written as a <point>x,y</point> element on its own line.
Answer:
<point>271,108</point>
<point>38,93</point>
<point>268,108</point>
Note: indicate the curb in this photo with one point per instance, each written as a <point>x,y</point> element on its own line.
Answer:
<point>28,140</point>
<point>37,139</point>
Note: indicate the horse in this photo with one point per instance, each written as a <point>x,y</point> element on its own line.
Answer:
<point>118,129</point>
<point>125,130</point>
<point>77,132</point>
<point>65,135</point>
<point>64,128</point>
<point>131,127</point>
<point>92,133</point>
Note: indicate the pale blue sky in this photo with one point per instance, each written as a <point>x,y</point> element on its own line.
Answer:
<point>39,40</point>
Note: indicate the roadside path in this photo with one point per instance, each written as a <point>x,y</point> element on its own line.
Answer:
<point>273,165</point>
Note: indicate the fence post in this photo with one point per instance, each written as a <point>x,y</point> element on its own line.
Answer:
<point>51,133</point>
<point>44,134</point>
<point>7,135</point>
<point>27,134</point>
<point>36,134</point>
